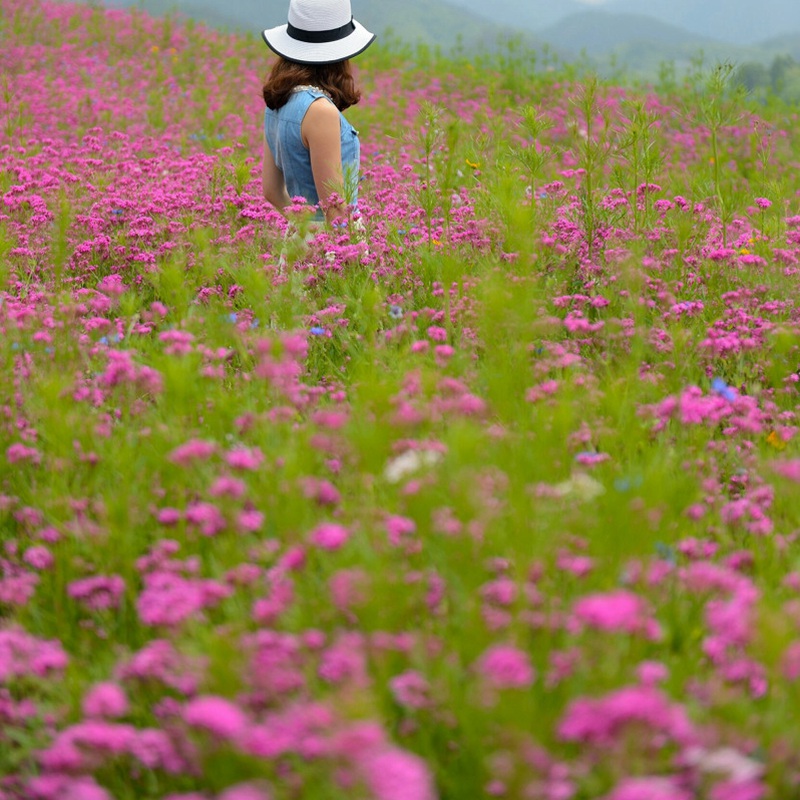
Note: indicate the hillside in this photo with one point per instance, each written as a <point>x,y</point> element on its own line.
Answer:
<point>428,22</point>
<point>735,21</point>
<point>635,42</point>
<point>598,33</point>
<point>787,44</point>
<point>532,15</point>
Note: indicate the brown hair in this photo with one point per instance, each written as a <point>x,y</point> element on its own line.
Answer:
<point>335,79</point>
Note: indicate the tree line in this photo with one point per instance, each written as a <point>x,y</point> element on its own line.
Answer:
<point>780,79</point>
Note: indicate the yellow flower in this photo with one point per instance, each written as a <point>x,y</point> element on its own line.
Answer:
<point>154,48</point>
<point>776,441</point>
<point>744,251</point>
<point>437,242</point>
<point>473,164</point>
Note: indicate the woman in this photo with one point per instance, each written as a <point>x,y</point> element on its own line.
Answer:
<point>310,149</point>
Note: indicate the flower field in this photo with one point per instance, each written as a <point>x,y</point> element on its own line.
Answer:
<point>500,502</point>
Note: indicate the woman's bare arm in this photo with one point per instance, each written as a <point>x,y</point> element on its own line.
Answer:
<point>272,182</point>
<point>321,132</point>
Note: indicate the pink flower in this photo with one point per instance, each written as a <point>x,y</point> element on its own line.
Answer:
<point>194,450</point>
<point>160,661</point>
<point>244,791</point>
<point>98,592</point>
<point>616,611</point>
<point>649,789</point>
<point>22,654</point>
<point>20,452</point>
<point>393,774</point>
<point>600,721</point>
<point>789,468</point>
<point>443,352</point>
<point>105,700</point>
<point>216,715</point>
<point>330,536</point>
<point>63,787</point>
<point>250,520</point>
<point>437,334</point>
<point>397,528</point>
<point>326,418</point>
<point>410,689</point>
<point>791,662</point>
<point>207,517</point>
<point>651,673</point>
<point>245,458</point>
<point>39,557</point>
<point>506,667</point>
<point>344,661</point>
<point>228,486</point>
<point>501,592</point>
<point>321,491</point>
<point>168,516</point>
<point>735,790</point>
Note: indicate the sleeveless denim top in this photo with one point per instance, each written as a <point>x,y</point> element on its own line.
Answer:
<point>282,128</point>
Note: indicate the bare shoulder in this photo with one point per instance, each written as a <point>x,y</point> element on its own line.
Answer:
<point>322,110</point>
<point>321,122</point>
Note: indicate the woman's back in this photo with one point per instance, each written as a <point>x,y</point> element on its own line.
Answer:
<point>283,129</point>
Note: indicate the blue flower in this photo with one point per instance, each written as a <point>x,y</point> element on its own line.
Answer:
<point>232,317</point>
<point>718,386</point>
<point>625,484</point>
<point>666,552</point>
<point>318,331</point>
<point>395,312</point>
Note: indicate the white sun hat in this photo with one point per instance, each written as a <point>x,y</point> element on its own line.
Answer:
<point>319,32</point>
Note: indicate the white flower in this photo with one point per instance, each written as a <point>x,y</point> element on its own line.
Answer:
<point>726,761</point>
<point>409,462</point>
<point>581,486</point>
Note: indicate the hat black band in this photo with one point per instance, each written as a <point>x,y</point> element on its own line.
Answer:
<point>321,37</point>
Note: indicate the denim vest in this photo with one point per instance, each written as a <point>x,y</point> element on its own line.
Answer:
<point>282,128</point>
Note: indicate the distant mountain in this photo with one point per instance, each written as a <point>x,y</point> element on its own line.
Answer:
<point>430,22</point>
<point>598,33</point>
<point>637,43</point>
<point>532,15</point>
<point>640,44</point>
<point>788,44</point>
<point>734,21</point>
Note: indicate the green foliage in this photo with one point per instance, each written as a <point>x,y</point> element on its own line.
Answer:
<point>522,338</point>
